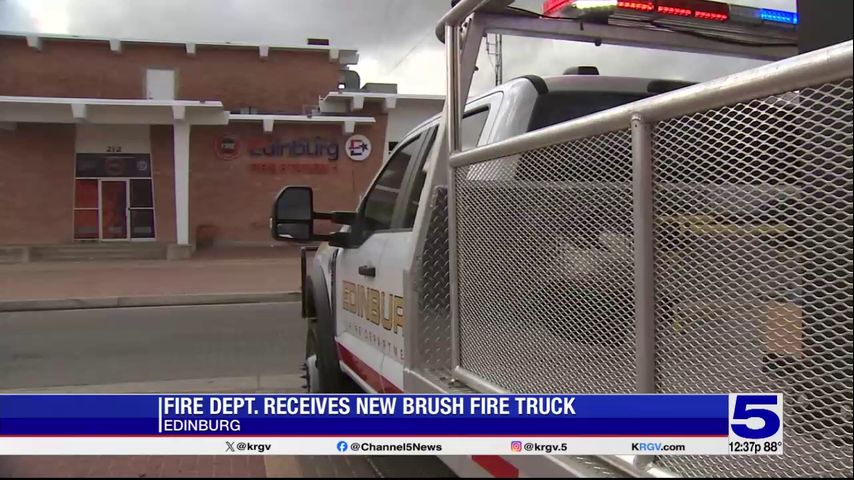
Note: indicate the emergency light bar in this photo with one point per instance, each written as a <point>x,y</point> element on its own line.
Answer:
<point>697,9</point>
<point>762,16</point>
<point>702,9</point>
<point>778,16</point>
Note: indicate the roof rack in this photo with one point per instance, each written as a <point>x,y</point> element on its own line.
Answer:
<point>741,32</point>
<point>744,34</point>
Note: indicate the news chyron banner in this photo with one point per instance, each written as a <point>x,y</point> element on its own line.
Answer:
<point>737,424</point>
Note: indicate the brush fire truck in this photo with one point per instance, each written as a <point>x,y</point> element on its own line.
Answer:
<point>592,234</point>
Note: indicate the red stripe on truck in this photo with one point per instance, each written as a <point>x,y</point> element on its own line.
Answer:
<point>496,466</point>
<point>366,373</point>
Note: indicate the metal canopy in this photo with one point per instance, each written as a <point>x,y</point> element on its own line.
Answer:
<point>574,30</point>
<point>631,29</point>
<point>463,27</point>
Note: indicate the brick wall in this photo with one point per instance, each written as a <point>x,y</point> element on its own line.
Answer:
<point>36,184</point>
<point>284,82</point>
<point>37,160</point>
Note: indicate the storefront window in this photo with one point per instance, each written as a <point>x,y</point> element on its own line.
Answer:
<point>86,194</point>
<point>142,223</point>
<point>113,202</point>
<point>85,224</point>
<point>85,209</point>
<point>140,193</point>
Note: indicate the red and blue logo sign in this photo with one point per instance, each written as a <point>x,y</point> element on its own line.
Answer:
<point>358,147</point>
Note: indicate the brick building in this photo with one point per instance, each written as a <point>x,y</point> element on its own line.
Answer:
<point>138,141</point>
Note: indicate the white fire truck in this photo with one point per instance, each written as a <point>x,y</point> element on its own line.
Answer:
<point>591,234</point>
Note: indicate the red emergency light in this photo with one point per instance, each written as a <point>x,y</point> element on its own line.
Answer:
<point>711,16</point>
<point>642,5</point>
<point>715,11</point>
<point>673,7</point>
<point>700,9</point>
<point>551,7</point>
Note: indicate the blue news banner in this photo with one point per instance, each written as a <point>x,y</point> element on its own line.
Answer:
<point>392,424</point>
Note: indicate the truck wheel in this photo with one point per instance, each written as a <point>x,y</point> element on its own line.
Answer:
<point>323,375</point>
<point>312,376</point>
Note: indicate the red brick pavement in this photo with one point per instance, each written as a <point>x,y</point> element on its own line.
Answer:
<point>234,270</point>
<point>137,466</point>
<point>231,466</point>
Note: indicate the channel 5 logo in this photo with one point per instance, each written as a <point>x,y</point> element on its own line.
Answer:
<point>756,417</point>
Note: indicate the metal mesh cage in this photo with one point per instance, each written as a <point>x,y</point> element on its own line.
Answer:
<point>545,268</point>
<point>753,263</point>
<point>753,212</point>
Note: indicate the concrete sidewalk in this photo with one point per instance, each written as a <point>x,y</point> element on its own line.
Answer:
<point>214,276</point>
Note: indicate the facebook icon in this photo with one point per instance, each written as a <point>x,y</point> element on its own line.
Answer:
<point>342,446</point>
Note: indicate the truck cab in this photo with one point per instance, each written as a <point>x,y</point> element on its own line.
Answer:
<point>359,272</point>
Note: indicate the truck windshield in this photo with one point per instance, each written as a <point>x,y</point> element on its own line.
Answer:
<point>556,107</point>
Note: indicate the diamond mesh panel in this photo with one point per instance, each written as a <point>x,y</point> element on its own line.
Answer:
<point>545,257</point>
<point>434,303</point>
<point>753,265</point>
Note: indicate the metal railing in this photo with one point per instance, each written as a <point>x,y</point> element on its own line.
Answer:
<point>695,242</point>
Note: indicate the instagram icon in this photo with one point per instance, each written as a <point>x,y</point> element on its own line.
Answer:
<point>516,446</point>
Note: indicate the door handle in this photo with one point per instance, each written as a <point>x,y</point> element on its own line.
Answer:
<point>367,271</point>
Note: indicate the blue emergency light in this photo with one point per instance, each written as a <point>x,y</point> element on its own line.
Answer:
<point>778,16</point>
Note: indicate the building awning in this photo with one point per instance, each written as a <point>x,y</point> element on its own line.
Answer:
<point>348,124</point>
<point>352,101</point>
<point>341,56</point>
<point>110,111</point>
<point>150,112</point>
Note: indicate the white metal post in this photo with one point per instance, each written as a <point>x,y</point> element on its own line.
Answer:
<point>644,254</point>
<point>453,101</point>
<point>181,132</point>
<point>453,117</point>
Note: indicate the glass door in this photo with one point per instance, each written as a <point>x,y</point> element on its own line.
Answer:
<point>114,210</point>
<point>86,225</point>
<point>141,209</point>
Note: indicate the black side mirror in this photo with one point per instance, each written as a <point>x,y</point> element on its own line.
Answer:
<point>293,215</point>
<point>293,218</point>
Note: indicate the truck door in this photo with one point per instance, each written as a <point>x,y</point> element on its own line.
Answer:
<point>397,254</point>
<point>398,250</point>
<point>366,307</point>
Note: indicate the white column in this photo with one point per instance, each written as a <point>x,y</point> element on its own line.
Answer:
<point>181,132</point>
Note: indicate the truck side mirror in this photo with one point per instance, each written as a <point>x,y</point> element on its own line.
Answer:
<point>293,215</point>
<point>293,218</point>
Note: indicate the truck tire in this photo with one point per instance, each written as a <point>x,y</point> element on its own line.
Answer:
<point>320,342</point>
